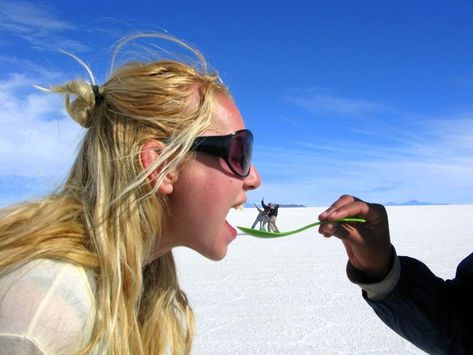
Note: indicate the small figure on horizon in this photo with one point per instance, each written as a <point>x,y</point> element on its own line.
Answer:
<point>272,212</point>
<point>262,218</point>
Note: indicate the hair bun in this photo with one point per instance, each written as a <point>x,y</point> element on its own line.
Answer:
<point>86,98</point>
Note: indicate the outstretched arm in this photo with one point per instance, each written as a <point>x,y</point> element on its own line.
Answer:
<point>263,204</point>
<point>433,314</point>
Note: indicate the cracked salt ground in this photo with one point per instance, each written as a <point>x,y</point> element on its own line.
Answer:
<point>291,295</point>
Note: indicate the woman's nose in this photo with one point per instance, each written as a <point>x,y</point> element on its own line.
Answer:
<point>253,180</point>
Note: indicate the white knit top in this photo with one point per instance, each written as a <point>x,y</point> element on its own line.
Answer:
<point>46,307</point>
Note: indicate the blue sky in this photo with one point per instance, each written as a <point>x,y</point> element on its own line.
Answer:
<point>371,98</point>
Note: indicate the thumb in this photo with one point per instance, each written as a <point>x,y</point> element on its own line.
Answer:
<point>334,229</point>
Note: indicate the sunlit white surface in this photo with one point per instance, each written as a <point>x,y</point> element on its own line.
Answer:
<point>291,295</point>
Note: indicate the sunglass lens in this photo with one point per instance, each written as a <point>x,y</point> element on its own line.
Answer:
<point>240,152</point>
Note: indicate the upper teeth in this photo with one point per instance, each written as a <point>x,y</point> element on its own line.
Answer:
<point>238,207</point>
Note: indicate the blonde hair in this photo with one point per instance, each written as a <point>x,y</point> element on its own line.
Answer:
<point>108,216</point>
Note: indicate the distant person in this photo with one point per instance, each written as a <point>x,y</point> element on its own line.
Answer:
<point>272,211</point>
<point>433,314</point>
<point>262,218</point>
<point>89,269</point>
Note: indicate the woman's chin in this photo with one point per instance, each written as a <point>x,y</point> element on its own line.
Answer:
<point>215,255</point>
<point>218,252</point>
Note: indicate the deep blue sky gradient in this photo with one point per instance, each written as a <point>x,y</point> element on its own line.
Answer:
<point>372,98</point>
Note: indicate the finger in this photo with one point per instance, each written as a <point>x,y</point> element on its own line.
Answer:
<point>342,200</point>
<point>321,231</point>
<point>356,208</point>
<point>376,212</point>
<point>335,229</point>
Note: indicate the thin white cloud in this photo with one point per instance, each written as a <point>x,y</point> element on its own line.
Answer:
<point>37,139</point>
<point>433,163</point>
<point>27,67</point>
<point>37,24</point>
<point>319,102</point>
<point>25,17</point>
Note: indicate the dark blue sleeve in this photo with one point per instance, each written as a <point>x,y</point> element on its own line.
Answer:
<point>433,314</point>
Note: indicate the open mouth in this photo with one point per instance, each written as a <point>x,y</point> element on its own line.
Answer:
<point>236,207</point>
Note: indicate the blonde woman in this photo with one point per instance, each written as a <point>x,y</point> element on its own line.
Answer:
<point>89,269</point>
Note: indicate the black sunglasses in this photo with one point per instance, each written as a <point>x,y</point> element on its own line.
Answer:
<point>236,149</point>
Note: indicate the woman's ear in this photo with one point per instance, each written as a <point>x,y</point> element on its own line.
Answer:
<point>151,151</point>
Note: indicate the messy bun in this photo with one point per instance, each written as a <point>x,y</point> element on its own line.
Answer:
<point>82,106</point>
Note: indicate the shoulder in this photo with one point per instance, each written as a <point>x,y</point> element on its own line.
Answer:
<point>466,265</point>
<point>464,276</point>
<point>50,303</point>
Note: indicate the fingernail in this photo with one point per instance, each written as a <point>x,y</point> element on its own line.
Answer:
<point>323,214</point>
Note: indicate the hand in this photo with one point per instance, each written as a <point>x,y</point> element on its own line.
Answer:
<point>368,245</point>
